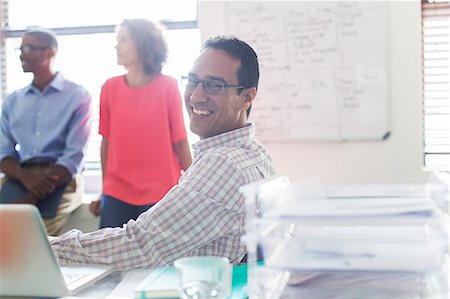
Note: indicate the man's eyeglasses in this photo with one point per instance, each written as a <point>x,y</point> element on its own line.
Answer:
<point>210,86</point>
<point>27,49</point>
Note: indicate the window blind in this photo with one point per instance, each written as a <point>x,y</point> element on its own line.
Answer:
<point>3,24</point>
<point>436,84</point>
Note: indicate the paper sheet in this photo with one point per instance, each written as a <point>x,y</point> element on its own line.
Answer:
<point>125,289</point>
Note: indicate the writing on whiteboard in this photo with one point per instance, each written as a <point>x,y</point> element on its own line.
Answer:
<point>323,68</point>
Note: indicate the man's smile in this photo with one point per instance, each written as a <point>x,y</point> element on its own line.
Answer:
<point>201,112</point>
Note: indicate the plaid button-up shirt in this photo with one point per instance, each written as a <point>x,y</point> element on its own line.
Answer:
<point>203,215</point>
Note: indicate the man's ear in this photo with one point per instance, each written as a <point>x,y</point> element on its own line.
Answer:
<point>51,53</point>
<point>249,95</point>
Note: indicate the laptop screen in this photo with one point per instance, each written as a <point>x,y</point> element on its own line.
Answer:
<point>28,266</point>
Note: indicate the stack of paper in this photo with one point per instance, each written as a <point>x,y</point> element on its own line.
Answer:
<point>349,201</point>
<point>398,248</point>
<point>387,207</point>
<point>392,229</point>
<point>353,241</point>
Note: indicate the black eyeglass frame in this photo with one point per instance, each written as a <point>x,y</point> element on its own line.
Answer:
<point>27,49</point>
<point>207,85</point>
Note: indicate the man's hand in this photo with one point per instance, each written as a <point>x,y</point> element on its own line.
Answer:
<point>95,207</point>
<point>40,185</point>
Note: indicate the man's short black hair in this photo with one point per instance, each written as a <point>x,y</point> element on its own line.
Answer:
<point>47,36</point>
<point>248,73</point>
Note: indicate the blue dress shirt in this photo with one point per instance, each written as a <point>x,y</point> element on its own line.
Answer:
<point>52,125</point>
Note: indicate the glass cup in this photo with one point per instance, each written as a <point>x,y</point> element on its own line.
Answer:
<point>204,277</point>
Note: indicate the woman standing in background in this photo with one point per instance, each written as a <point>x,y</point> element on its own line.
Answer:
<point>144,145</point>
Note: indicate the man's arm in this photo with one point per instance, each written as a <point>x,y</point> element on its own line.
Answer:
<point>204,212</point>
<point>183,153</point>
<point>79,130</point>
<point>12,169</point>
<point>39,186</point>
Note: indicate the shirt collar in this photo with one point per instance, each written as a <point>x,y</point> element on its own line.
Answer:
<point>234,137</point>
<point>57,83</point>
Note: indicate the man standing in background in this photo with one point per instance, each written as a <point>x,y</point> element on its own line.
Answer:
<point>44,128</point>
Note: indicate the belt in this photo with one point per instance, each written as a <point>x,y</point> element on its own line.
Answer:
<point>32,163</point>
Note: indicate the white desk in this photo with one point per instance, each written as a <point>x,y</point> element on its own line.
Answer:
<point>104,287</point>
<point>108,286</point>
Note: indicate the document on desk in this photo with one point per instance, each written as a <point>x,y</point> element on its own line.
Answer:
<point>375,190</point>
<point>125,289</point>
<point>162,282</point>
<point>402,248</point>
<point>356,207</point>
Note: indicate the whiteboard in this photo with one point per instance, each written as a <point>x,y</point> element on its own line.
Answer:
<point>323,68</point>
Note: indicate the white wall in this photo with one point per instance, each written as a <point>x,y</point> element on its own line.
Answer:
<point>397,159</point>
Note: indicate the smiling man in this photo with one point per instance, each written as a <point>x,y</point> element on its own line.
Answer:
<point>44,129</point>
<point>205,213</point>
<point>220,104</point>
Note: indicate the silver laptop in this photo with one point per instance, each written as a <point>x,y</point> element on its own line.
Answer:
<point>28,266</point>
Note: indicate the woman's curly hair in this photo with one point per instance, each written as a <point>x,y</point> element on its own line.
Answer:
<point>151,46</point>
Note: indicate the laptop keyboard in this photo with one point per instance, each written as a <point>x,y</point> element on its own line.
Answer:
<point>73,277</point>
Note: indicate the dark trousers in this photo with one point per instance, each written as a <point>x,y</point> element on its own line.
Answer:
<point>115,212</point>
